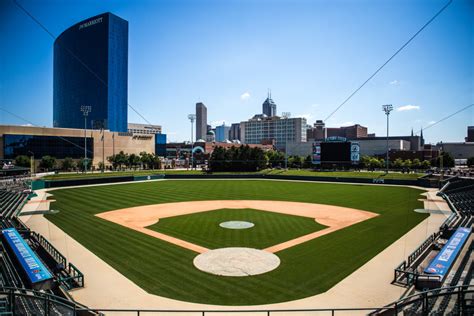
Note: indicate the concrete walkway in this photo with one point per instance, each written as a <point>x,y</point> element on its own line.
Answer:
<point>369,286</point>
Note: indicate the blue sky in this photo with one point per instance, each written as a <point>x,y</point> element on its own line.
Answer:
<point>311,54</point>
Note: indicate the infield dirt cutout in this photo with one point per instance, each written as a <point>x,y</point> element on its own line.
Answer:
<point>140,217</point>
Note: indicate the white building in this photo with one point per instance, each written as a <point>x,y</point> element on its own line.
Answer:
<point>136,128</point>
<point>262,129</point>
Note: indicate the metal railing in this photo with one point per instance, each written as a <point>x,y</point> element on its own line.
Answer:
<point>55,253</point>
<point>422,248</point>
<point>423,303</point>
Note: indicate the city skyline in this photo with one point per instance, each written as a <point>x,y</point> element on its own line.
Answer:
<point>431,79</point>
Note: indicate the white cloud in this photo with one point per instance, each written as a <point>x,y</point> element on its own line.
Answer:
<point>27,124</point>
<point>315,105</point>
<point>245,96</point>
<point>394,83</point>
<point>431,122</point>
<point>408,107</point>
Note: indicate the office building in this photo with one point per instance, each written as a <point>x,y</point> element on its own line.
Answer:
<point>222,133</point>
<point>137,128</point>
<point>262,130</point>
<point>470,134</point>
<point>67,142</point>
<point>457,150</point>
<point>234,133</point>
<point>91,69</point>
<point>201,121</point>
<point>319,131</point>
<point>269,107</point>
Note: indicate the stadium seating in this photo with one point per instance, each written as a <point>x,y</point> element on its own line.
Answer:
<point>459,194</point>
<point>22,300</point>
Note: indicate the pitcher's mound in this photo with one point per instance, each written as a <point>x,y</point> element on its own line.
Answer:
<point>236,225</point>
<point>236,261</point>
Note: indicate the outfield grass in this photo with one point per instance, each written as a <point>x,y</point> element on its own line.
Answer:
<point>291,172</point>
<point>349,174</point>
<point>98,174</point>
<point>203,228</point>
<point>167,270</point>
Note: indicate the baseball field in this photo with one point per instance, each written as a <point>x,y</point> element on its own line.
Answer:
<point>151,232</point>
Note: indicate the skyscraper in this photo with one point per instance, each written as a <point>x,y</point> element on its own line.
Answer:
<point>222,133</point>
<point>234,133</point>
<point>269,108</point>
<point>91,69</point>
<point>201,121</point>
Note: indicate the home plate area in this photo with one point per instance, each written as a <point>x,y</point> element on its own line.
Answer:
<point>236,261</point>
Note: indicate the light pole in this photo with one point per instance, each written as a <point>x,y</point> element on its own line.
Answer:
<point>103,150</point>
<point>387,108</point>
<point>286,116</point>
<point>192,118</point>
<point>85,109</point>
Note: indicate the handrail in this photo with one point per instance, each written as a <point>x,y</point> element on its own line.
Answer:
<point>50,248</point>
<point>460,291</point>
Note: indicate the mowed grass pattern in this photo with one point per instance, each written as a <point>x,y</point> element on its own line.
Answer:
<point>203,228</point>
<point>167,270</point>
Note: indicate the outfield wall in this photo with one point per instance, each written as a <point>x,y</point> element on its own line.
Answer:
<point>422,182</point>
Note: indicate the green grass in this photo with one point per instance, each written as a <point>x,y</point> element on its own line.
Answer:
<point>291,172</point>
<point>349,174</point>
<point>98,174</point>
<point>167,270</point>
<point>203,228</point>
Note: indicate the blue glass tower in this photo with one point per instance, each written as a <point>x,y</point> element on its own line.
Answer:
<point>91,68</point>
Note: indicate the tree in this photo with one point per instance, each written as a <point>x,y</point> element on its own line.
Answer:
<point>133,160</point>
<point>416,163</point>
<point>308,162</point>
<point>83,163</point>
<point>242,158</point>
<point>22,161</point>
<point>365,161</point>
<point>113,160</point>
<point>101,166</point>
<point>156,162</point>
<point>47,162</point>
<point>121,159</point>
<point>470,161</point>
<point>407,163</point>
<point>275,158</point>
<point>67,164</point>
<point>146,159</point>
<point>425,164</point>
<point>295,162</point>
<point>398,163</point>
<point>448,160</point>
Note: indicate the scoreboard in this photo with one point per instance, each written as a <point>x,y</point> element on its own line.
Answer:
<point>336,150</point>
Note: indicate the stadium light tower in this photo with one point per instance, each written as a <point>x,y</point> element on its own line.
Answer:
<point>85,109</point>
<point>387,108</point>
<point>192,118</point>
<point>286,116</point>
